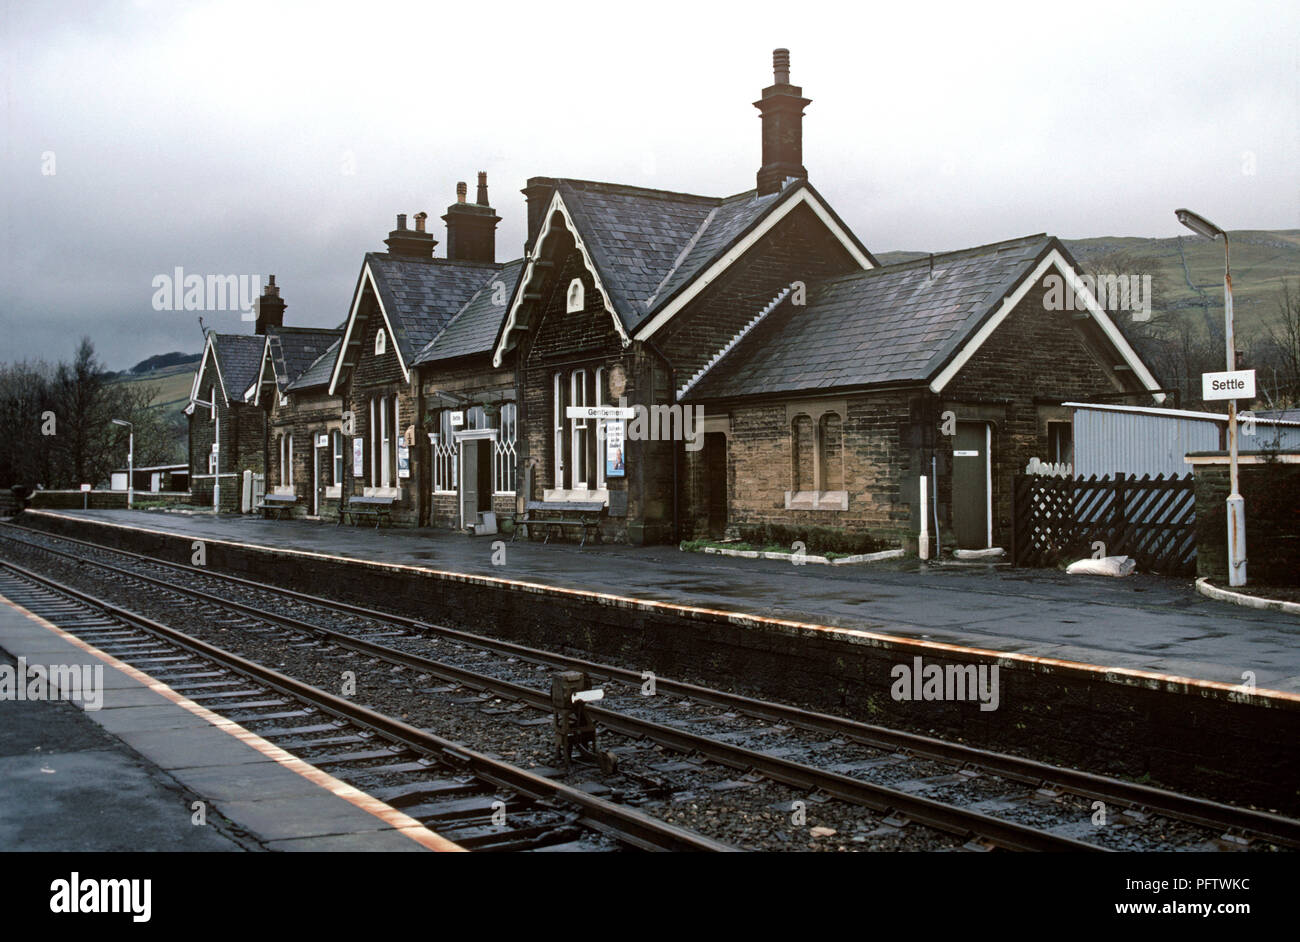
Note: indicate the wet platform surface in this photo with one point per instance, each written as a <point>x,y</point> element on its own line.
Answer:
<point>1140,622</point>
<point>126,776</point>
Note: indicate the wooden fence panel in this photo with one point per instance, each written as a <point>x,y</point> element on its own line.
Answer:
<point>1152,520</point>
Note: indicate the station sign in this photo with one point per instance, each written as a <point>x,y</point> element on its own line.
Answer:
<point>600,412</point>
<point>1234,384</point>
<point>85,487</point>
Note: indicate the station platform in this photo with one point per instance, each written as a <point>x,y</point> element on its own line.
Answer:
<point>126,776</point>
<point>1139,623</point>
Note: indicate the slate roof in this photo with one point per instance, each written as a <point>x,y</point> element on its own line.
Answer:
<point>239,359</point>
<point>882,325</point>
<point>422,295</point>
<point>294,349</point>
<point>474,328</point>
<point>648,244</point>
<point>319,373</point>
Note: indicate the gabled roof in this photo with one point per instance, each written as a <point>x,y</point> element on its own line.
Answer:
<point>238,359</point>
<point>650,251</point>
<point>474,328</point>
<point>291,350</point>
<point>318,374</point>
<point>420,296</point>
<point>896,324</point>
<point>417,298</point>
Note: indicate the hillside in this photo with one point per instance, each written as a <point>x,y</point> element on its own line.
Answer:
<point>173,385</point>
<point>1187,274</point>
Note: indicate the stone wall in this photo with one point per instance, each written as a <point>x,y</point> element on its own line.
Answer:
<point>1272,501</point>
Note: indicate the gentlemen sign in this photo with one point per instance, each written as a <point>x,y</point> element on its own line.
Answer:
<point>1237,384</point>
<point>600,412</point>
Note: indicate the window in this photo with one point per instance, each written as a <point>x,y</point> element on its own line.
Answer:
<point>385,429</point>
<point>336,451</point>
<point>577,441</point>
<point>1060,442</point>
<point>574,300</point>
<point>286,460</point>
<point>444,455</point>
<point>817,462</point>
<point>381,341</point>
<point>504,454</point>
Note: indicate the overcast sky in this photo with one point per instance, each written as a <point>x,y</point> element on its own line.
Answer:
<point>233,138</point>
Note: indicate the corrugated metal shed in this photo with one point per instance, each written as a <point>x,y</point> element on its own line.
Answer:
<point>1138,440</point>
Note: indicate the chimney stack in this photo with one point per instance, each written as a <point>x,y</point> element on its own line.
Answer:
<point>781,110</point>
<point>538,195</point>
<point>471,227</point>
<point>410,243</point>
<point>270,308</point>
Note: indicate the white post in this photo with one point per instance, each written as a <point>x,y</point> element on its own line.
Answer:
<point>216,465</point>
<point>130,468</point>
<point>1236,505</point>
<point>923,548</point>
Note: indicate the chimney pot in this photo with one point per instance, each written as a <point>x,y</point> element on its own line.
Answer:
<point>419,221</point>
<point>461,190</point>
<point>781,66</point>
<point>401,220</point>
<point>482,198</point>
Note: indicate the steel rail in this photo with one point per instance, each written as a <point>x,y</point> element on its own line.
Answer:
<point>624,823</point>
<point>933,813</point>
<point>1202,812</point>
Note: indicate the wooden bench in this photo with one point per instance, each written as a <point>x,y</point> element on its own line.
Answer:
<point>378,507</point>
<point>277,504</point>
<point>587,518</point>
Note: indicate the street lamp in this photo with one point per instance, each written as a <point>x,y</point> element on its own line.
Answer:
<point>130,461</point>
<point>1236,506</point>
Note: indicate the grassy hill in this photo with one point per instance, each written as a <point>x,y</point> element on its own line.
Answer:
<point>173,384</point>
<point>1187,274</point>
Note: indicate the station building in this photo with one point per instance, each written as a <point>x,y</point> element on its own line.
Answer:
<point>770,371</point>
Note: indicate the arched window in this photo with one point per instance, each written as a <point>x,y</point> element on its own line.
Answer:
<point>802,449</point>
<point>574,302</point>
<point>831,453</point>
<point>381,341</point>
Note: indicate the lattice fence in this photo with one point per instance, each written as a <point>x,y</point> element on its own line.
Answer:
<point>1152,520</point>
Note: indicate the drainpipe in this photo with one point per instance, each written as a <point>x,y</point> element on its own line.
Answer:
<point>672,385</point>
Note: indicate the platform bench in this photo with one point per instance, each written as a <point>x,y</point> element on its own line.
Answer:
<point>378,507</point>
<point>277,504</point>
<point>582,514</point>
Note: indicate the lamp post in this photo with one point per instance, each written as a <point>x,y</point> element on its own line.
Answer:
<point>130,461</point>
<point>1236,506</point>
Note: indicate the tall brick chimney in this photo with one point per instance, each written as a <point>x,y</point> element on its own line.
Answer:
<point>410,243</point>
<point>538,195</point>
<point>781,111</point>
<point>270,308</point>
<point>472,227</point>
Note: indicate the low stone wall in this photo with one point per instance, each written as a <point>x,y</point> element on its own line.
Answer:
<point>1271,492</point>
<point>1208,737</point>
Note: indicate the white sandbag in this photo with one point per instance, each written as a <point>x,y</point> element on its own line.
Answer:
<point>1106,566</point>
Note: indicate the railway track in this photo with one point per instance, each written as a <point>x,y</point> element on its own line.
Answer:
<point>919,767</point>
<point>474,800</point>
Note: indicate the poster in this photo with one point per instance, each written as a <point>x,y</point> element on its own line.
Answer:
<point>358,464</point>
<point>403,458</point>
<point>614,448</point>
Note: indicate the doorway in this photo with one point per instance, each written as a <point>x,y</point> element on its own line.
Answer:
<point>476,452</point>
<point>715,482</point>
<point>972,485</point>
